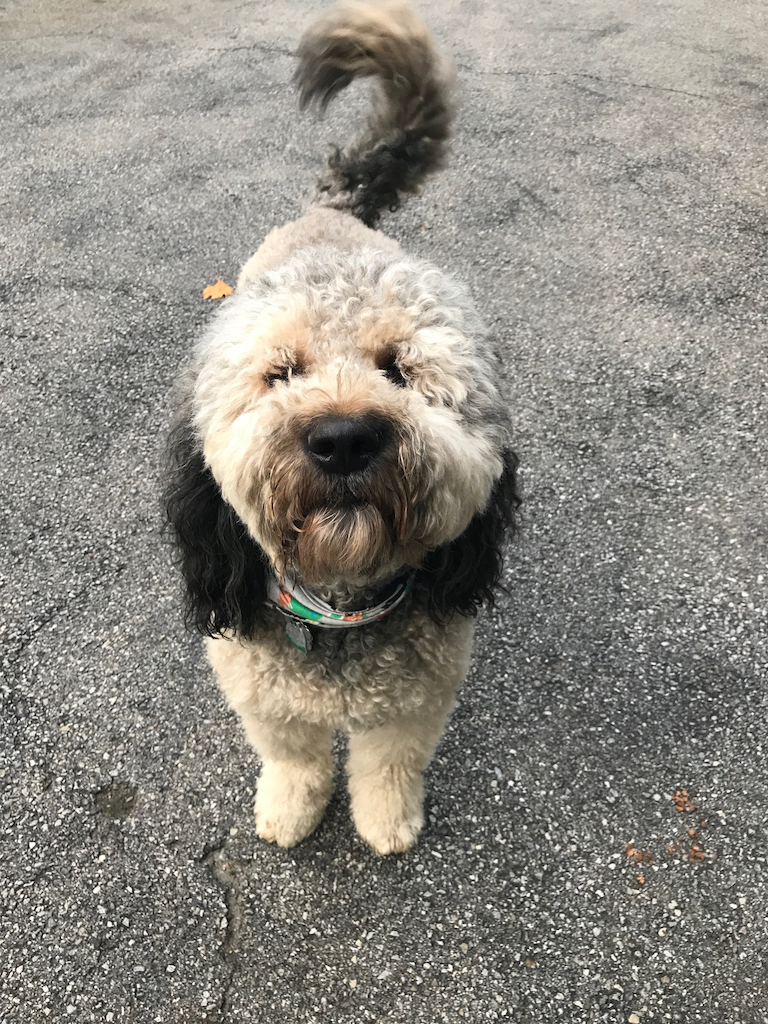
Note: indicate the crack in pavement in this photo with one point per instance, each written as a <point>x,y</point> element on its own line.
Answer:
<point>29,632</point>
<point>608,81</point>
<point>224,871</point>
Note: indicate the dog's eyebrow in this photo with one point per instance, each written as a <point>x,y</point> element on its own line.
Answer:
<point>288,340</point>
<point>385,332</point>
<point>283,355</point>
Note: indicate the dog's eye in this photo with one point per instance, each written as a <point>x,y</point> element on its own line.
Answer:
<point>394,374</point>
<point>283,375</point>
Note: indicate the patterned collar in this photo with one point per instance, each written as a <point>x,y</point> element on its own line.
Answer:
<point>303,609</point>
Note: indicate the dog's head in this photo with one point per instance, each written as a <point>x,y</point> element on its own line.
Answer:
<point>344,424</point>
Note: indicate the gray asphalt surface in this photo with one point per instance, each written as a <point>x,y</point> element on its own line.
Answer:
<point>606,202</point>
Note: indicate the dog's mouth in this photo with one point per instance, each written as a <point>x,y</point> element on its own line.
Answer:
<point>347,528</point>
<point>343,522</point>
<point>334,542</point>
<point>340,493</point>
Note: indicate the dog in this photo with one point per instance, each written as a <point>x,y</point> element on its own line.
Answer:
<point>341,483</point>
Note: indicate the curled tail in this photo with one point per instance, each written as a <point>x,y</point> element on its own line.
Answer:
<point>407,130</point>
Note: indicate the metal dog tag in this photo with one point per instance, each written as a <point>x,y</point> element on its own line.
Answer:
<point>299,635</point>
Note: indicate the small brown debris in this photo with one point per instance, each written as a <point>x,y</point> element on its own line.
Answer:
<point>691,832</point>
<point>682,801</point>
<point>639,856</point>
<point>530,963</point>
<point>641,879</point>
<point>695,853</point>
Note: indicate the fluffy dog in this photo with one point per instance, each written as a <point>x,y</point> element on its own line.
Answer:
<point>341,480</point>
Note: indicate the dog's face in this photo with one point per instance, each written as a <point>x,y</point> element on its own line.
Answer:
<point>348,414</point>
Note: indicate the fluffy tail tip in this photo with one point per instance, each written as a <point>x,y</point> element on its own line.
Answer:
<point>407,130</point>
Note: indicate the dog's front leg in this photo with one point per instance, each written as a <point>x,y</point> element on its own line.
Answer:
<point>385,778</point>
<point>296,778</point>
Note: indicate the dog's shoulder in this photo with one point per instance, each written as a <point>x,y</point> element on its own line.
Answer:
<point>319,226</point>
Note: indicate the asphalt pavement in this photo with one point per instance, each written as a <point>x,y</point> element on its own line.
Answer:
<point>597,815</point>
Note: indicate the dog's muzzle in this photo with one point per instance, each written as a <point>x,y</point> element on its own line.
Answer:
<point>342,445</point>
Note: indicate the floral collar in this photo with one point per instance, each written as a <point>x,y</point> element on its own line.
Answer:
<point>303,609</point>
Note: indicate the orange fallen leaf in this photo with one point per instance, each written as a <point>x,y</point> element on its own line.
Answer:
<point>217,291</point>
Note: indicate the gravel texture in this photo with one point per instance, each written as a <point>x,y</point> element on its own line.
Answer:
<point>606,201</point>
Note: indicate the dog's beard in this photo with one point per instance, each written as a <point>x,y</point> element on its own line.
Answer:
<point>341,528</point>
<point>327,528</point>
<point>352,541</point>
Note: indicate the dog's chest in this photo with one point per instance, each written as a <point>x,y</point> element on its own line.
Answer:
<point>360,679</point>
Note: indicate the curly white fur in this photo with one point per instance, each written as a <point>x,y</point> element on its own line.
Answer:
<point>331,319</point>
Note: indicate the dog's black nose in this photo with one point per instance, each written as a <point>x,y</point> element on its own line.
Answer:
<point>344,444</point>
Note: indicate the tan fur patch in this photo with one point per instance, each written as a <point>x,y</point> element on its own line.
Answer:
<point>288,338</point>
<point>382,331</point>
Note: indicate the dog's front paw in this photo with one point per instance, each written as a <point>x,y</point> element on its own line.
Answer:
<point>290,802</point>
<point>387,811</point>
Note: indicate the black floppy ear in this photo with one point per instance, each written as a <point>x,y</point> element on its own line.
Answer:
<point>465,573</point>
<point>224,568</point>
